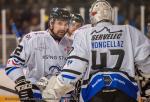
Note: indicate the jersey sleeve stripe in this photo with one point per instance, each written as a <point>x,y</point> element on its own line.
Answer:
<point>77,57</point>
<point>10,70</point>
<point>17,58</point>
<point>68,76</point>
<point>71,71</point>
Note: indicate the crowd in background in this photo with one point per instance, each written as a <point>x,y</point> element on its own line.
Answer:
<point>26,13</point>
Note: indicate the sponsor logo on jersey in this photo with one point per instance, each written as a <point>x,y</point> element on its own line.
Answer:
<point>106,39</point>
<point>116,35</point>
<point>105,34</point>
<point>54,57</point>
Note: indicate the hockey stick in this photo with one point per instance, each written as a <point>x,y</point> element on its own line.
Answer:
<point>15,98</point>
<point>14,29</point>
<point>8,89</point>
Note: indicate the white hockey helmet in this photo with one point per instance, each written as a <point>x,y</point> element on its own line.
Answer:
<point>100,10</point>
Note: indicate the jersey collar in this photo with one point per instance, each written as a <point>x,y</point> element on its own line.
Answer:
<point>104,23</point>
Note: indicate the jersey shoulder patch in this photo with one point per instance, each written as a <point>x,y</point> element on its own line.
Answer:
<point>35,34</point>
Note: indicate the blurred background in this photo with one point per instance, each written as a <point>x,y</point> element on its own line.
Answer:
<point>32,15</point>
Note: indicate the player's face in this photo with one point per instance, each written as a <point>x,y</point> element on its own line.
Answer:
<point>74,26</point>
<point>60,27</point>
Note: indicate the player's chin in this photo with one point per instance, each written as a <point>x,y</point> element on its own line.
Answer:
<point>61,35</point>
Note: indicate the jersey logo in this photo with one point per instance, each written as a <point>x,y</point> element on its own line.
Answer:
<point>28,36</point>
<point>54,70</point>
<point>107,80</point>
<point>105,28</point>
<point>67,49</point>
<point>107,39</point>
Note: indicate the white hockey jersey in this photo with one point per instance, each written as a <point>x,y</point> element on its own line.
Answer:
<point>119,47</point>
<point>40,53</point>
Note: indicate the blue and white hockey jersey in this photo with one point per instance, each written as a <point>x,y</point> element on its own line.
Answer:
<point>40,53</point>
<point>107,46</point>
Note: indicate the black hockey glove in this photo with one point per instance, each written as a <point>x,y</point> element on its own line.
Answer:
<point>26,91</point>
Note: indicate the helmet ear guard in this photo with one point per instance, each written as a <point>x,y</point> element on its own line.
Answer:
<point>100,11</point>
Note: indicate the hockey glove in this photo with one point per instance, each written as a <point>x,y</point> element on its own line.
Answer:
<point>26,91</point>
<point>55,90</point>
<point>146,89</point>
<point>42,83</point>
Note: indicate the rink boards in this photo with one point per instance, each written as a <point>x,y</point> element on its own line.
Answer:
<point>7,91</point>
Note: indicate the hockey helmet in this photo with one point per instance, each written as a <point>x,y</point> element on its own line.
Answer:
<point>100,10</point>
<point>76,18</point>
<point>59,13</point>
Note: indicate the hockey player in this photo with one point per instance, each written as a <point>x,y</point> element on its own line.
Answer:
<point>42,52</point>
<point>76,22</point>
<point>105,55</point>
